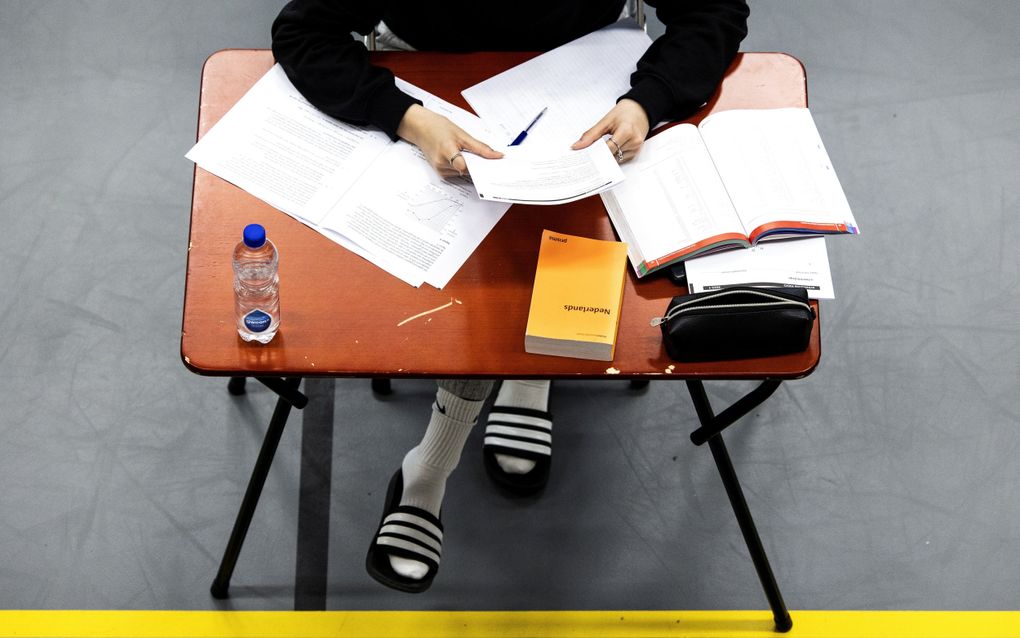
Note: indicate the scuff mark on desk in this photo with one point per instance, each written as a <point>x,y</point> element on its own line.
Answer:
<point>428,312</point>
<point>669,369</point>
<point>612,370</point>
<point>187,360</point>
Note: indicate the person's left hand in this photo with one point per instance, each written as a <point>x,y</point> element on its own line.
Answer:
<point>627,125</point>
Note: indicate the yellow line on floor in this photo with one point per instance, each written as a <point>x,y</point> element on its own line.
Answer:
<point>506,624</point>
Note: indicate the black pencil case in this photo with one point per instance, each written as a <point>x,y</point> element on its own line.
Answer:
<point>737,322</point>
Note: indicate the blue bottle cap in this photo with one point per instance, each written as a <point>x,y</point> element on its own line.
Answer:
<point>254,235</point>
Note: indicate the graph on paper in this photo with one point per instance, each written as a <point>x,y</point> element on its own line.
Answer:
<point>431,207</point>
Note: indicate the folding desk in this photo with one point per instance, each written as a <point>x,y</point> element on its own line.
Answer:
<point>341,313</point>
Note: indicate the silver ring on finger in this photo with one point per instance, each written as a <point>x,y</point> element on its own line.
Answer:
<point>619,150</point>
<point>455,156</point>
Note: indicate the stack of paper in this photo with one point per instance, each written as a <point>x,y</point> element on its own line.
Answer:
<point>378,198</point>
<point>545,177</point>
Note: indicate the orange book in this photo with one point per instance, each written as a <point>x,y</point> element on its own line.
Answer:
<point>577,295</point>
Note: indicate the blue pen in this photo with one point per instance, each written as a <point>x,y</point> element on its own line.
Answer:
<point>523,134</point>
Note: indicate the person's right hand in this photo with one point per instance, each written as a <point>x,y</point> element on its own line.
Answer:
<point>441,141</point>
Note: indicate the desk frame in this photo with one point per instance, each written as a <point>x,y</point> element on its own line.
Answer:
<point>210,347</point>
<point>712,425</point>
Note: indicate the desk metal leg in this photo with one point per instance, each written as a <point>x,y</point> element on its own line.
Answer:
<point>221,584</point>
<point>286,389</point>
<point>754,546</point>
<point>709,421</point>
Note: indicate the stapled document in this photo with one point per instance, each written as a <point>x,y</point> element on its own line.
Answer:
<point>544,176</point>
<point>790,263</point>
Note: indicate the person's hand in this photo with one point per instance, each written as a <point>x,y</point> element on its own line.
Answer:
<point>441,141</point>
<point>627,126</point>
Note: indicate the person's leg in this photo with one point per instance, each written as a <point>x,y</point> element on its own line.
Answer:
<point>518,436</point>
<point>427,466</point>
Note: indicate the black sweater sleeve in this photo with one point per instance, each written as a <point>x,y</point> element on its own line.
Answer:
<point>679,72</point>
<point>683,67</point>
<point>312,42</point>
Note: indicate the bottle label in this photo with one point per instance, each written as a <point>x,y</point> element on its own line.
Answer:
<point>257,321</point>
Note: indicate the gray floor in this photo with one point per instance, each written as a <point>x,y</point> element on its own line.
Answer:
<point>888,479</point>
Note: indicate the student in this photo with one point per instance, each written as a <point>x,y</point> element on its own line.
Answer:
<point>312,41</point>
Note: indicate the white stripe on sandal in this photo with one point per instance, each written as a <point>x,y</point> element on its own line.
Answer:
<point>508,430</point>
<point>537,448</point>
<point>408,545</point>
<point>413,519</point>
<point>520,419</point>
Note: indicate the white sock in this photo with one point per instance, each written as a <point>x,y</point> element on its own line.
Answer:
<point>521,393</point>
<point>427,466</point>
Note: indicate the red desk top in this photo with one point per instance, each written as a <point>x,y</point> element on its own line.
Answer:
<point>340,313</point>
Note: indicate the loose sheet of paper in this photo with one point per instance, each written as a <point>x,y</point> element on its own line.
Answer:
<point>578,83</point>
<point>771,264</point>
<point>402,209</point>
<point>283,150</point>
<point>530,176</point>
<point>339,179</point>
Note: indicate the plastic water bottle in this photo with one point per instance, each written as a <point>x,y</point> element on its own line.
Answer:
<point>256,286</point>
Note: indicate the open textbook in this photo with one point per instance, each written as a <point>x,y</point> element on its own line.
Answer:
<point>379,198</point>
<point>740,177</point>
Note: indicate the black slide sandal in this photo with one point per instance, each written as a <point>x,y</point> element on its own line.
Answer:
<point>523,433</point>
<point>407,532</point>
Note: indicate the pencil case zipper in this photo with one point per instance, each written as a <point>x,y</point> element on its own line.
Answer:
<point>695,304</point>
